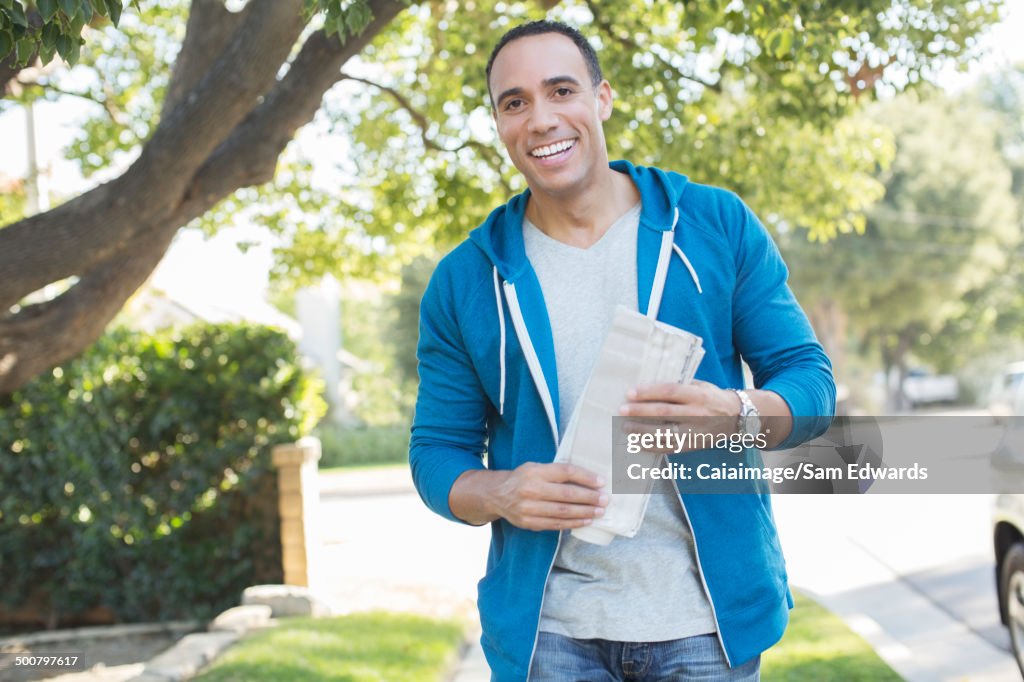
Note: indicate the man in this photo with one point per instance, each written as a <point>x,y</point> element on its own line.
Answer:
<point>510,327</point>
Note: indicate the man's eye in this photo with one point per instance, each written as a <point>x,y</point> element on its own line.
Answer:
<point>563,92</point>
<point>513,104</point>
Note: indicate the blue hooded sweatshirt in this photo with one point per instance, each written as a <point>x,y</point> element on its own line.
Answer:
<point>488,386</point>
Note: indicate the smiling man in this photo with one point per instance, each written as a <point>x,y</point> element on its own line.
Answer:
<point>510,328</point>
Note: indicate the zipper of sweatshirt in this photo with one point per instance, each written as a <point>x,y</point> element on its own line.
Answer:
<point>533,362</point>
<point>703,582</point>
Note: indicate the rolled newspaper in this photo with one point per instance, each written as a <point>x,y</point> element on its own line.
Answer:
<point>637,350</point>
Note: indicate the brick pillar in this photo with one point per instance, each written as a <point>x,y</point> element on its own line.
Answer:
<point>299,503</point>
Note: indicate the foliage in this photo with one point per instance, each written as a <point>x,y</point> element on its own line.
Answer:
<point>942,235</point>
<point>346,446</point>
<point>819,646</point>
<point>740,92</point>
<point>12,200</point>
<point>43,28</point>
<point>137,477</point>
<point>729,93</point>
<point>362,647</point>
<point>405,324</point>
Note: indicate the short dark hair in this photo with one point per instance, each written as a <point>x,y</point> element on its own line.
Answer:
<point>536,28</point>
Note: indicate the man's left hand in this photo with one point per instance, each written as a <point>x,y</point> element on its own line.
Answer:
<point>696,399</point>
<point>696,407</point>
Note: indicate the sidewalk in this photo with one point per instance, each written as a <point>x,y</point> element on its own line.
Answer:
<point>384,549</point>
<point>912,574</point>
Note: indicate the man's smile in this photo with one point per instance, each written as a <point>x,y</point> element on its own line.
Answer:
<point>553,149</point>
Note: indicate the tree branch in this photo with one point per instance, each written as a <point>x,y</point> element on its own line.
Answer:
<point>249,156</point>
<point>112,111</point>
<point>492,157</point>
<point>89,228</point>
<point>209,28</point>
<point>76,318</point>
<point>626,41</point>
<point>45,334</point>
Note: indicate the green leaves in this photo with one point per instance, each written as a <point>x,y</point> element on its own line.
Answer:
<point>57,30</point>
<point>341,17</point>
<point>47,9</point>
<point>143,468</point>
<point>114,8</point>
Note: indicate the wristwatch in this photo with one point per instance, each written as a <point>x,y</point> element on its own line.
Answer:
<point>749,421</point>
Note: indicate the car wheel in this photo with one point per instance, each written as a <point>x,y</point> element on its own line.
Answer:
<point>1012,578</point>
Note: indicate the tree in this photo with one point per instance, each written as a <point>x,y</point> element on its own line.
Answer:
<point>738,90</point>
<point>944,233</point>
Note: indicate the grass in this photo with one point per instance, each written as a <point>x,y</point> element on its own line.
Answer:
<point>364,647</point>
<point>819,646</point>
<point>388,647</point>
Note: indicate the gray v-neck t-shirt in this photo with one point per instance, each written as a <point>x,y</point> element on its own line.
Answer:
<point>641,589</point>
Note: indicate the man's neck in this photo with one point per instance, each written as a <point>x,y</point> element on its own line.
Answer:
<point>583,219</point>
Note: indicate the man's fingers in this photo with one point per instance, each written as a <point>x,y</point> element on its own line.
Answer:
<point>662,409</point>
<point>569,473</point>
<point>544,523</point>
<point>559,510</point>
<point>573,494</point>
<point>669,393</point>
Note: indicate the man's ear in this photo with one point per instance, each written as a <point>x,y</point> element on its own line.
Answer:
<point>604,100</point>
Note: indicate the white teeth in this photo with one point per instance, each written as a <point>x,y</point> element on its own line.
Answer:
<point>552,149</point>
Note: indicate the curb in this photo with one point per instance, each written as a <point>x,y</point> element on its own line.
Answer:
<point>261,606</point>
<point>102,632</point>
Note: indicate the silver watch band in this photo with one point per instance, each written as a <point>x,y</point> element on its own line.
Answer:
<point>749,419</point>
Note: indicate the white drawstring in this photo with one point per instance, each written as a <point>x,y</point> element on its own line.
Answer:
<point>660,274</point>
<point>686,262</point>
<point>501,328</point>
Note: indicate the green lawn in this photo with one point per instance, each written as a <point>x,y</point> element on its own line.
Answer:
<point>388,647</point>
<point>818,647</point>
<point>370,647</point>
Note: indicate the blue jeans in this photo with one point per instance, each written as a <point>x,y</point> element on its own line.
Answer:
<point>563,659</point>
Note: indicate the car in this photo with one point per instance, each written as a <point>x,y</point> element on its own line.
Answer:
<point>921,387</point>
<point>1004,388</point>
<point>1008,525</point>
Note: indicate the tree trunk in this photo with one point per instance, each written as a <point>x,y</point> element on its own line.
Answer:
<point>227,118</point>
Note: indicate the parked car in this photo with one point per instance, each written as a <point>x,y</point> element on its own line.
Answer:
<point>1004,388</point>
<point>923,388</point>
<point>1008,525</point>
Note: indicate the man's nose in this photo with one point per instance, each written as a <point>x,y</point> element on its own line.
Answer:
<point>542,118</point>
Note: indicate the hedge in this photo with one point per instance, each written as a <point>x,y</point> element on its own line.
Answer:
<point>346,446</point>
<point>136,478</point>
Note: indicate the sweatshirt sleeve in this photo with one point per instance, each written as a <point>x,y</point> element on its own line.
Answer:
<point>772,333</point>
<point>449,428</point>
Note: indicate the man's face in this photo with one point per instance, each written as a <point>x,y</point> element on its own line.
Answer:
<point>548,114</point>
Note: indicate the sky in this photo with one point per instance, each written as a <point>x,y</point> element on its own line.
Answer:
<point>196,267</point>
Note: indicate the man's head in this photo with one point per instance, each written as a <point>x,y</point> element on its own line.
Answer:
<point>535,28</point>
<point>549,103</point>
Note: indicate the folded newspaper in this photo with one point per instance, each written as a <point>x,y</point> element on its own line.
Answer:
<point>637,350</point>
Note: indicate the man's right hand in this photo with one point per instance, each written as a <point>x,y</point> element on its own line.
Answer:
<point>534,496</point>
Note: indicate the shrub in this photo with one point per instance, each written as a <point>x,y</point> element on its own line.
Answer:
<point>137,477</point>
